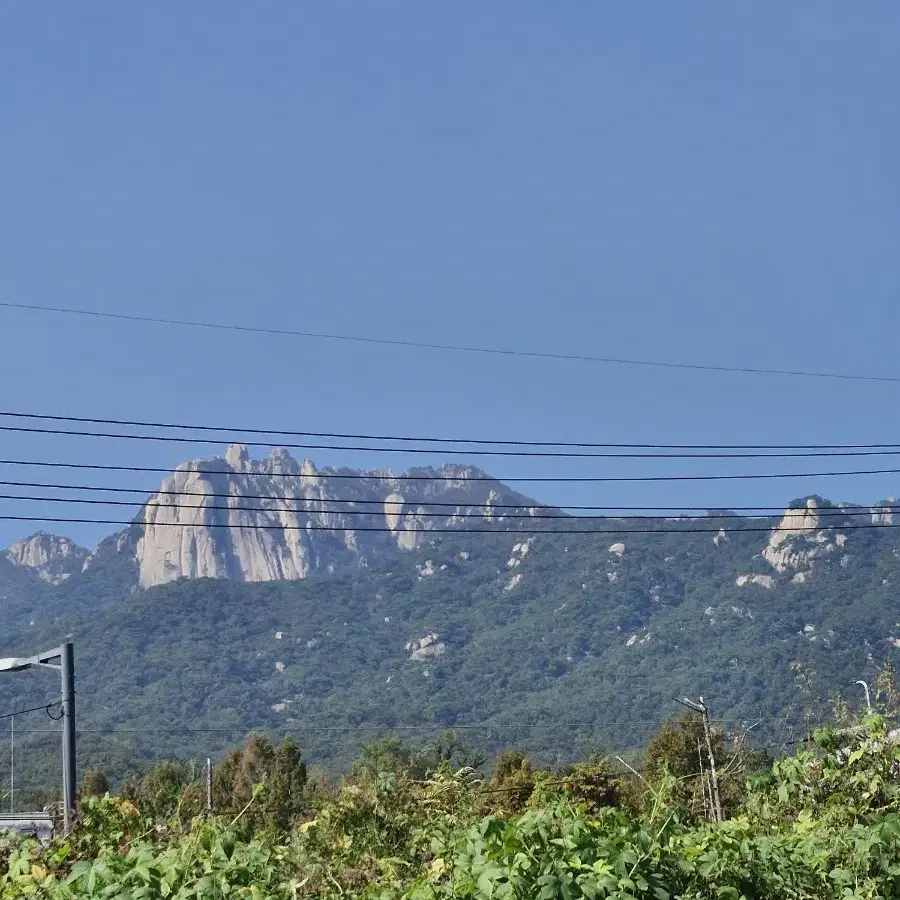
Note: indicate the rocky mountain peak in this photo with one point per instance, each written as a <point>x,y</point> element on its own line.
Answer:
<point>230,518</point>
<point>884,513</point>
<point>282,463</point>
<point>54,558</point>
<point>238,457</point>
<point>802,535</point>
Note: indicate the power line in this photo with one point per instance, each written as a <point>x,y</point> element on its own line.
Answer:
<point>728,512</point>
<point>342,729</point>
<point>456,348</point>
<point>361,501</point>
<point>385,530</point>
<point>369,726</point>
<point>565,454</point>
<point>270,509</point>
<point>46,707</point>
<point>456,475</point>
<point>572,780</point>
<point>264,509</point>
<point>415,513</point>
<point>435,440</point>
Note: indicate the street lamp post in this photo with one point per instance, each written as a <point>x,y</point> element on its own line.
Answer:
<point>66,667</point>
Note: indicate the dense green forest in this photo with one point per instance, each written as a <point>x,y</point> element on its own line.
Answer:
<point>554,648</point>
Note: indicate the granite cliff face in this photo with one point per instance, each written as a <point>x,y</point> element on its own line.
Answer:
<point>53,559</point>
<point>803,535</point>
<point>280,519</point>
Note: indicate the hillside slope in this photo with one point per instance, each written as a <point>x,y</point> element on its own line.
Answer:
<point>550,642</point>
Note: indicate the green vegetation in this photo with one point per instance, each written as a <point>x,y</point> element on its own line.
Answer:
<point>823,824</point>
<point>567,659</point>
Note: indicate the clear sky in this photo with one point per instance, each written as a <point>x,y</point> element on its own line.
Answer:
<point>697,182</point>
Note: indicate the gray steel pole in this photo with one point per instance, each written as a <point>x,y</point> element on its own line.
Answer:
<point>67,663</point>
<point>12,764</point>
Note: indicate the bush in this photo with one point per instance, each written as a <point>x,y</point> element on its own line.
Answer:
<point>823,824</point>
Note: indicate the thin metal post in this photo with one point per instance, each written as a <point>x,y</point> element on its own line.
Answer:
<point>208,784</point>
<point>713,776</point>
<point>67,671</point>
<point>12,764</point>
<point>702,782</point>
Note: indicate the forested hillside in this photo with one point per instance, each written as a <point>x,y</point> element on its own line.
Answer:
<point>546,641</point>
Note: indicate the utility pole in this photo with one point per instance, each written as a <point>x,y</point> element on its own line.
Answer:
<point>67,671</point>
<point>12,764</point>
<point>66,667</point>
<point>713,777</point>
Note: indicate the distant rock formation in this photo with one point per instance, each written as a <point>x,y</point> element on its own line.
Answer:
<point>277,519</point>
<point>884,513</point>
<point>53,558</point>
<point>802,536</point>
<point>426,646</point>
<point>766,581</point>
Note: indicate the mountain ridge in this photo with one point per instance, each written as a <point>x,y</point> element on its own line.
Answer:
<point>281,519</point>
<point>519,627</point>
<point>185,530</point>
<point>54,558</point>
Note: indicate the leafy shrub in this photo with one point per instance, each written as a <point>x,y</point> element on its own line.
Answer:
<point>823,824</point>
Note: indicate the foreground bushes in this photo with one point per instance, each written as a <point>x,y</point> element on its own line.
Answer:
<point>822,824</point>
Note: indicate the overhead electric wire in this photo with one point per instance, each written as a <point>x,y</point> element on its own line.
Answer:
<point>565,454</point>
<point>456,348</point>
<point>423,513</point>
<point>263,509</point>
<point>385,476</point>
<point>20,712</point>
<point>368,726</point>
<point>385,530</point>
<point>727,512</point>
<point>433,440</point>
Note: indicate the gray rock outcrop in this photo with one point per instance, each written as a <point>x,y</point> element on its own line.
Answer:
<point>803,535</point>
<point>53,558</point>
<point>277,519</point>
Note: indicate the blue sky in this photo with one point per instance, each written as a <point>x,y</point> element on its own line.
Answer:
<point>686,182</point>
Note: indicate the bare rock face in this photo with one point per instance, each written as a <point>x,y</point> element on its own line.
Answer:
<point>883,513</point>
<point>393,510</point>
<point>766,581</point>
<point>277,519</point>
<point>55,559</point>
<point>801,536</point>
<point>426,646</point>
<point>217,537</point>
